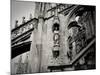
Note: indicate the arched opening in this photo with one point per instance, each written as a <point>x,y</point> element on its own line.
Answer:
<point>55,27</point>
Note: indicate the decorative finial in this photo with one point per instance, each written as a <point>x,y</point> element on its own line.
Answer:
<point>56,11</point>
<point>23,21</point>
<point>16,23</point>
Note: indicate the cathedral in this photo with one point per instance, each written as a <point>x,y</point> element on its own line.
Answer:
<point>60,37</point>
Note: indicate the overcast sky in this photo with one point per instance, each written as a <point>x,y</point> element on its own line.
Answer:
<point>20,9</point>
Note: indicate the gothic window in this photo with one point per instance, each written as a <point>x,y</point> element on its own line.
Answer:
<point>55,27</point>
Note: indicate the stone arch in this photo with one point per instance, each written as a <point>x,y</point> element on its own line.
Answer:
<point>88,21</point>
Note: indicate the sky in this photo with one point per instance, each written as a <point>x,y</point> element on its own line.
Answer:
<point>20,9</point>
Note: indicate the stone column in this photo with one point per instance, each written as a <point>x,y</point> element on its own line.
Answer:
<point>36,47</point>
<point>34,56</point>
<point>39,41</point>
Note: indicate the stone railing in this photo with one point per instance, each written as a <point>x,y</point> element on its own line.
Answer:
<point>22,29</point>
